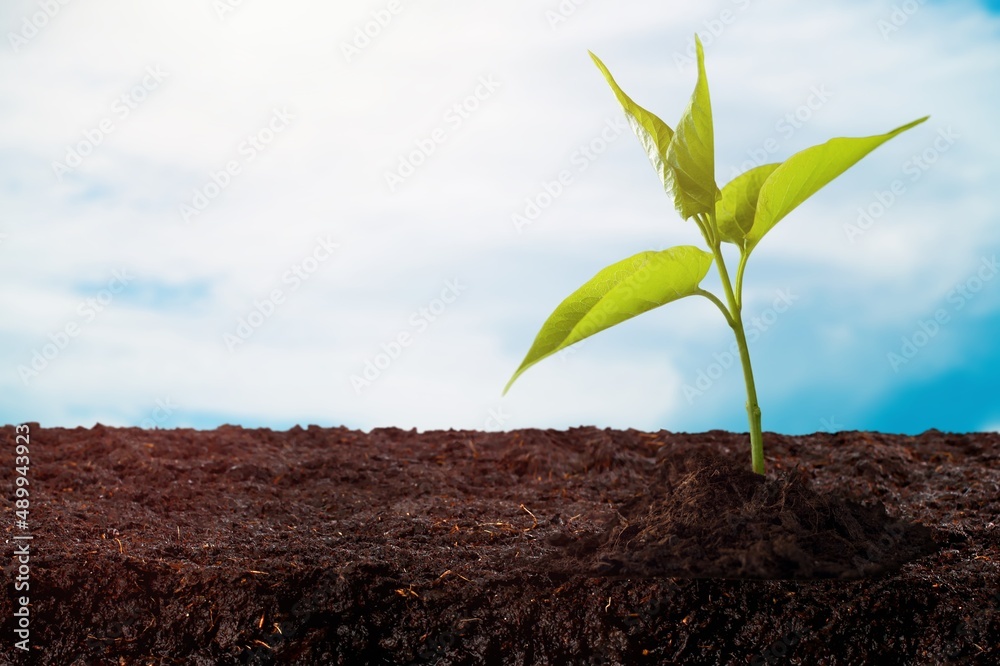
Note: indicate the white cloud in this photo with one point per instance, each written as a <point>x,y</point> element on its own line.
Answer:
<point>325,174</point>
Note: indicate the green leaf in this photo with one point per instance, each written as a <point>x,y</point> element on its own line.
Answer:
<point>653,133</point>
<point>735,210</point>
<point>691,154</point>
<point>619,292</point>
<point>804,173</point>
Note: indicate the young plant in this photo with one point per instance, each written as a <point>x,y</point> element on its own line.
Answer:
<point>740,213</point>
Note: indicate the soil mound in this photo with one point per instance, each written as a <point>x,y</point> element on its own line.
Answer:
<point>708,518</point>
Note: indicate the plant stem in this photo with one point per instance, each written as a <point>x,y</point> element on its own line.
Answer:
<point>739,277</point>
<point>753,409</point>
<point>735,321</point>
<point>719,304</point>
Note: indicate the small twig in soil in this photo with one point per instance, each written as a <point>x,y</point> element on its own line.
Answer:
<point>505,526</point>
<point>449,571</point>
<point>532,517</point>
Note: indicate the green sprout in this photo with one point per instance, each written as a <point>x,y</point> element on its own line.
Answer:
<point>740,213</point>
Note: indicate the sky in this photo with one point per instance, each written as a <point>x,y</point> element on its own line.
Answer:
<point>360,214</point>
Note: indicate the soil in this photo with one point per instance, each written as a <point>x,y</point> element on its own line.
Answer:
<point>587,546</point>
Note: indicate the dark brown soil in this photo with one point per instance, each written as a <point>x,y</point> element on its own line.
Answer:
<point>587,546</point>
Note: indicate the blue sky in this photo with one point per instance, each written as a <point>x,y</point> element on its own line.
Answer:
<point>230,212</point>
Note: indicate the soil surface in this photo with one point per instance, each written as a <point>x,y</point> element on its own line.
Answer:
<point>587,546</point>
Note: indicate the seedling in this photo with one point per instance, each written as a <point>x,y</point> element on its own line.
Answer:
<point>740,213</point>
